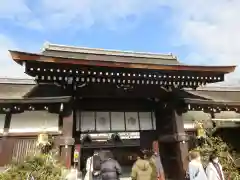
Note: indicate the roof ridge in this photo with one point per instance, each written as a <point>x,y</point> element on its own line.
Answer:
<point>57,47</point>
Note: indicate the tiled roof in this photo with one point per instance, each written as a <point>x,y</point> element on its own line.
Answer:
<point>18,88</point>
<point>14,91</point>
<point>64,48</point>
<point>227,94</point>
<point>16,81</point>
<point>107,55</point>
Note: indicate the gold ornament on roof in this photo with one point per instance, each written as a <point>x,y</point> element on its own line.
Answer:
<point>200,130</point>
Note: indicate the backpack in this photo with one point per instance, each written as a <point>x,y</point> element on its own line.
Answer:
<point>96,163</point>
<point>187,177</point>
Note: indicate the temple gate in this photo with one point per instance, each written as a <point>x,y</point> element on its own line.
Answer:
<point>101,96</point>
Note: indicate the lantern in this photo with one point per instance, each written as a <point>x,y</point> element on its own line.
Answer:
<point>116,138</point>
<point>43,139</point>
<point>200,131</point>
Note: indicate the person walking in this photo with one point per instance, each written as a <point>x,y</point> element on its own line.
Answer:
<point>195,167</point>
<point>93,167</point>
<point>89,169</point>
<point>156,159</point>
<point>110,168</point>
<point>72,175</point>
<point>143,169</point>
<point>214,169</point>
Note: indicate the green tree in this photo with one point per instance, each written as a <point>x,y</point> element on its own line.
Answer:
<point>41,166</point>
<point>214,144</point>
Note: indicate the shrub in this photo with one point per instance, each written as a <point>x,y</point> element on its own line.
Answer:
<point>210,144</point>
<point>40,167</point>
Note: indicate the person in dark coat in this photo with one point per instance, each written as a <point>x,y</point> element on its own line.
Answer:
<point>110,168</point>
<point>96,163</point>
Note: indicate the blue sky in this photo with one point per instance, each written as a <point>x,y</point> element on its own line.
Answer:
<point>194,31</point>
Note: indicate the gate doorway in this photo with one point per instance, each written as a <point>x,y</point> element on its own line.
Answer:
<point>124,152</point>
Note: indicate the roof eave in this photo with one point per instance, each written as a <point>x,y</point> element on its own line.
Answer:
<point>21,57</point>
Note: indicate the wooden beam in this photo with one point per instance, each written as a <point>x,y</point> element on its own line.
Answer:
<point>172,140</point>
<point>77,75</point>
<point>112,91</point>
<point>7,123</point>
<point>60,122</point>
<point>66,141</point>
<point>7,145</point>
<point>114,104</point>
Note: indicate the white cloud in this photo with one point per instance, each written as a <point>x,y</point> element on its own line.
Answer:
<point>19,12</point>
<point>8,67</point>
<point>75,14</point>
<point>63,14</point>
<point>86,13</point>
<point>211,29</point>
<point>13,8</point>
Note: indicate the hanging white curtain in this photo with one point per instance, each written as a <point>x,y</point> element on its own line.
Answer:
<point>146,121</point>
<point>103,121</point>
<point>115,121</point>
<point>132,121</point>
<point>87,121</point>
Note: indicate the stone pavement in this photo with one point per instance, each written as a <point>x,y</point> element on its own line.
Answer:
<point>72,175</point>
<point>2,169</point>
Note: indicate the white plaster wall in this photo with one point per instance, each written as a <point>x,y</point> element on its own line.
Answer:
<point>2,121</point>
<point>227,115</point>
<point>34,121</point>
<point>189,126</point>
<point>192,116</point>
